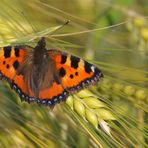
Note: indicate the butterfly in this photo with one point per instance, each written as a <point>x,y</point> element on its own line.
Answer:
<point>45,76</point>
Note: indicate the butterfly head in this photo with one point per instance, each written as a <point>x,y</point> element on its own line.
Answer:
<point>41,43</point>
<point>40,51</point>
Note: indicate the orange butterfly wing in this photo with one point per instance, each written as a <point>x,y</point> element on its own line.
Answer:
<point>10,59</point>
<point>75,73</point>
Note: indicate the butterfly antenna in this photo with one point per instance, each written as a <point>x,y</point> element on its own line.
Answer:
<point>42,43</point>
<point>67,22</point>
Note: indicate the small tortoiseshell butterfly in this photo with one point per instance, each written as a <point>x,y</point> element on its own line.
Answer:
<point>45,76</point>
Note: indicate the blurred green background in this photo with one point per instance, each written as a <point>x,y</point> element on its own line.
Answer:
<point>113,35</point>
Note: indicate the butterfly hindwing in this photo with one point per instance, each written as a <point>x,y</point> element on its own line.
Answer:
<point>49,96</point>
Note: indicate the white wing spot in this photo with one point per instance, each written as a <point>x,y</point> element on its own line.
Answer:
<point>93,68</point>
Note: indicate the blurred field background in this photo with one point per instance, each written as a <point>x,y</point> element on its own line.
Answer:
<point>113,35</point>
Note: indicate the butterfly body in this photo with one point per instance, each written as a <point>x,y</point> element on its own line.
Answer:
<point>45,76</point>
<point>38,69</point>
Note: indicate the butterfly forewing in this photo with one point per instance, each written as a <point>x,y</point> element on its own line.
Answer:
<point>74,72</point>
<point>10,59</point>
